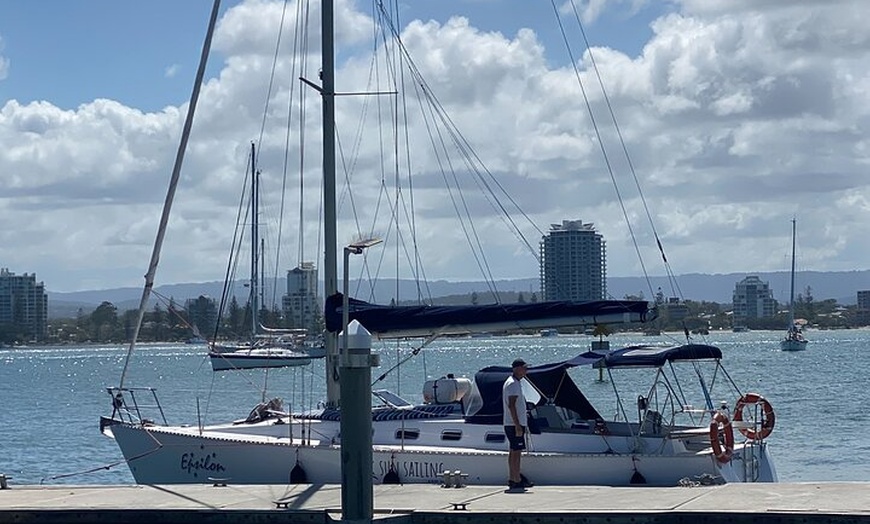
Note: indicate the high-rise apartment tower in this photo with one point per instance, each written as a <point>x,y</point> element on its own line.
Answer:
<point>573,262</point>
<point>23,306</point>
<point>300,304</point>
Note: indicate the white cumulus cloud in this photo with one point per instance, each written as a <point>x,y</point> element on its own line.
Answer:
<point>737,115</point>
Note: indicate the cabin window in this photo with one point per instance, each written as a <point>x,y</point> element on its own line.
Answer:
<point>407,434</point>
<point>494,437</point>
<point>451,434</point>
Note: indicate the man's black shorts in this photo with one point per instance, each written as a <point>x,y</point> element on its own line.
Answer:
<point>517,443</point>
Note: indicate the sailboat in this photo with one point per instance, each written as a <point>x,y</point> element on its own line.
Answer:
<point>458,426</point>
<point>794,338</point>
<point>272,348</point>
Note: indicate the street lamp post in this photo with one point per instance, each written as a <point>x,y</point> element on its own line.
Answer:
<point>353,249</point>
<point>357,498</point>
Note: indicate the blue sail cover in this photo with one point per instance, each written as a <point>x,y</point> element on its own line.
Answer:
<point>416,321</point>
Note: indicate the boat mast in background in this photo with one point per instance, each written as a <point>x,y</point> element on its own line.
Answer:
<point>791,292</point>
<point>794,339</point>
<point>255,245</point>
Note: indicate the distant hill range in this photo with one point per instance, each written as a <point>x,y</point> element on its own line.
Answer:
<point>839,285</point>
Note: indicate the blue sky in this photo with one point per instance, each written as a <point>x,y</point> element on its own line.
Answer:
<point>144,54</point>
<point>73,52</point>
<point>738,115</point>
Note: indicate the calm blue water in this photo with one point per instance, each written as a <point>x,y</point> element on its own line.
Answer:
<point>52,397</point>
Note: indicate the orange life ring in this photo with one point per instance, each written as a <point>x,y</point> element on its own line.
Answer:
<point>722,453</point>
<point>768,418</point>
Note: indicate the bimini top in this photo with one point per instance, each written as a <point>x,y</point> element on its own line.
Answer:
<point>656,356</point>
<point>415,321</point>
<point>550,380</point>
<point>555,385</point>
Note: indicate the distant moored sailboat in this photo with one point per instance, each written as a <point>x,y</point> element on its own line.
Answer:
<point>794,339</point>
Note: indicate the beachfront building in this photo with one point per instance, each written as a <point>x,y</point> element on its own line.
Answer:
<point>675,309</point>
<point>752,299</point>
<point>300,305</point>
<point>863,311</point>
<point>23,307</point>
<point>573,262</point>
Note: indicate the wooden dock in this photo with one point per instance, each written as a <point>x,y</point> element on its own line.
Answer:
<point>431,504</point>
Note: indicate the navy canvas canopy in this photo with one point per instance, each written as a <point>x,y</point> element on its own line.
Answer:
<point>655,356</point>
<point>555,385</point>
<point>551,381</point>
<point>415,321</point>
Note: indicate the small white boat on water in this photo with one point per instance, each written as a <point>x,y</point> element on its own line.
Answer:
<point>267,347</point>
<point>264,357</point>
<point>271,350</point>
<point>794,340</point>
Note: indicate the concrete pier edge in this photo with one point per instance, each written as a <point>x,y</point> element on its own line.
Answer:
<point>431,504</point>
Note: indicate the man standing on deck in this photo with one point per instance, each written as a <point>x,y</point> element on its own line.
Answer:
<point>515,422</point>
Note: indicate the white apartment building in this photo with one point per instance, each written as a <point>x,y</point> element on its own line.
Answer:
<point>301,305</point>
<point>753,298</point>
<point>573,262</point>
<point>23,305</point>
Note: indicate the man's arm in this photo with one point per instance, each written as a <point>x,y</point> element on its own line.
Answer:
<point>512,406</point>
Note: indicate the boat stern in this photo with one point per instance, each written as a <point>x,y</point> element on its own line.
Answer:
<point>751,462</point>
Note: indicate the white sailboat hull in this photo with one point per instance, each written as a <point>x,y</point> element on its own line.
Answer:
<point>175,455</point>
<point>257,359</point>
<point>792,345</point>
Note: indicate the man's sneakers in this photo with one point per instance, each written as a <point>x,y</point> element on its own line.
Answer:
<point>516,486</point>
<point>526,483</point>
<point>521,485</point>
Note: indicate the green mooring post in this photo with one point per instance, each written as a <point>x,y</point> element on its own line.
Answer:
<point>356,424</point>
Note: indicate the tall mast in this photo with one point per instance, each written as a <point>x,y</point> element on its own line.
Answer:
<point>173,185</point>
<point>255,244</point>
<point>791,297</point>
<point>330,266</point>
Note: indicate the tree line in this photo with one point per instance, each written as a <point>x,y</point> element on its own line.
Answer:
<point>105,324</point>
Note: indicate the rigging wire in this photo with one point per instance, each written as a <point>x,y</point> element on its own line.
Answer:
<point>416,266</point>
<point>600,141</point>
<point>675,289</point>
<point>389,112</point>
<point>400,206</point>
<point>233,258</point>
<point>259,141</point>
<point>490,186</point>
